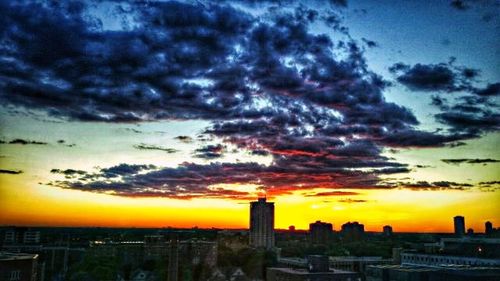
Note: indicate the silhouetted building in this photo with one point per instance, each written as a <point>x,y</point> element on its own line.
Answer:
<point>387,229</point>
<point>320,232</point>
<point>488,228</point>
<point>18,267</point>
<point>470,232</point>
<point>291,228</point>
<point>459,224</point>
<point>21,235</point>
<point>352,230</point>
<point>262,224</point>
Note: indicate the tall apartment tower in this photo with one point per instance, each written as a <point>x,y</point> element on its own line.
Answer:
<point>488,228</point>
<point>262,224</point>
<point>459,223</point>
<point>320,232</point>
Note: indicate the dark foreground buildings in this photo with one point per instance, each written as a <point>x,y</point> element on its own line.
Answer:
<point>18,267</point>
<point>318,269</point>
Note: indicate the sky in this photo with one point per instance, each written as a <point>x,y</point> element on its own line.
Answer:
<point>178,114</point>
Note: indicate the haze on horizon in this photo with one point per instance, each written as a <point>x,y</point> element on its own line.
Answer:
<point>165,113</point>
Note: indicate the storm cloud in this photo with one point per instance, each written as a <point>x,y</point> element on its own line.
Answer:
<point>267,84</point>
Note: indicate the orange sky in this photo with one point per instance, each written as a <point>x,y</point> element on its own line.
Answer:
<point>343,121</point>
<point>405,210</point>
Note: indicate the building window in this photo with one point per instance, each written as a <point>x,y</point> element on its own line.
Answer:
<point>15,275</point>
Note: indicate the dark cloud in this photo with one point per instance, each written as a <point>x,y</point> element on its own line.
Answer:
<point>69,173</point>
<point>472,123</point>
<point>63,142</point>
<point>125,170</point>
<point>10,172</point>
<point>332,193</point>
<point>489,90</point>
<point>26,142</point>
<point>143,146</point>
<point>488,9</point>
<point>369,43</point>
<point>342,3</point>
<point>456,144</point>
<point>425,185</point>
<point>440,102</point>
<point>210,151</point>
<point>184,139</point>
<point>435,77</point>
<point>260,152</point>
<point>470,161</point>
<point>471,114</point>
<point>413,138</point>
<point>133,130</point>
<point>190,180</point>
<point>286,3</point>
<point>350,200</point>
<point>459,5</point>
<point>489,183</point>
<point>269,85</point>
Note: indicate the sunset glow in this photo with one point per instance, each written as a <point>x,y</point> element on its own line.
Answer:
<point>178,114</point>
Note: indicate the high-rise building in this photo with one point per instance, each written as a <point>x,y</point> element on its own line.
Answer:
<point>387,230</point>
<point>459,223</point>
<point>352,230</point>
<point>320,232</point>
<point>488,228</point>
<point>262,224</point>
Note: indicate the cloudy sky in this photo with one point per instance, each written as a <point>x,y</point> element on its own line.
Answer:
<point>159,113</point>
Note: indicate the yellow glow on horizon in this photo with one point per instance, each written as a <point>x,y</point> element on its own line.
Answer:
<point>405,210</point>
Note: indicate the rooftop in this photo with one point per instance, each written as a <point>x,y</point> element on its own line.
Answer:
<point>306,272</point>
<point>7,256</point>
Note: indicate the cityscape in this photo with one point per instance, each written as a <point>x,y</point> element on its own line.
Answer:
<point>249,140</point>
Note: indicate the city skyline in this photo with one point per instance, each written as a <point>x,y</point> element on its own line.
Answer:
<point>165,113</point>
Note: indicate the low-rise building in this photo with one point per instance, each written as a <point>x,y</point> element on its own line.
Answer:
<point>419,273</point>
<point>18,267</point>
<point>356,264</point>
<point>294,274</point>
<point>313,268</point>
<point>440,260</point>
